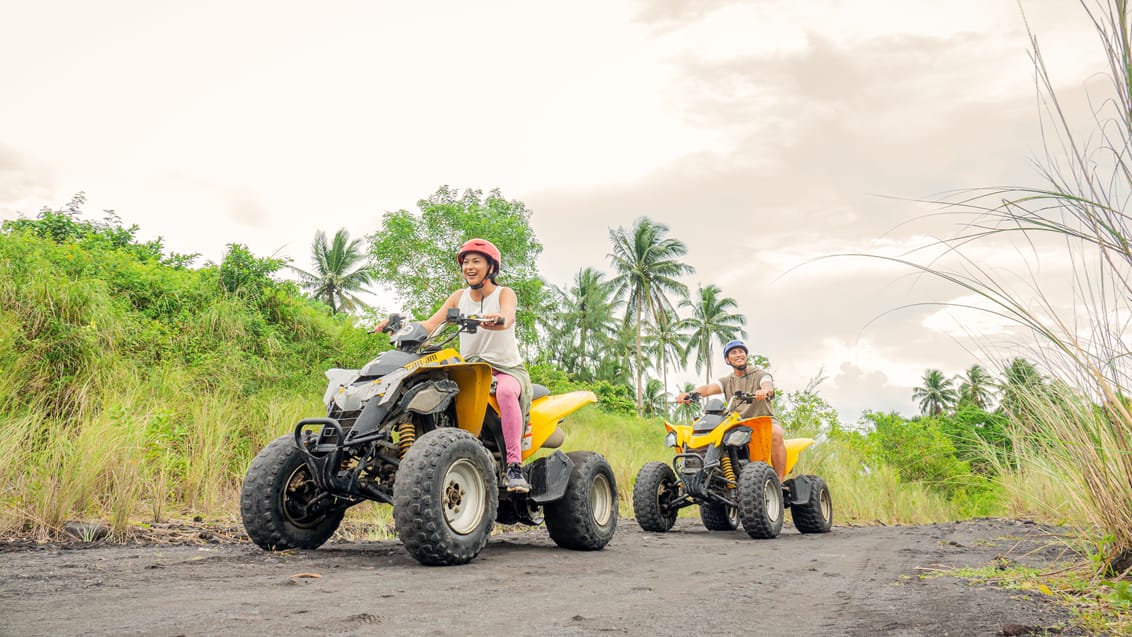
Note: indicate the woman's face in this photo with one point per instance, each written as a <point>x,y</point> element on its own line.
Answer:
<point>476,267</point>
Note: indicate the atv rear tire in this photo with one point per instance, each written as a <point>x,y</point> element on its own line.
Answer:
<point>585,518</point>
<point>719,517</point>
<point>276,490</point>
<point>653,493</point>
<point>816,515</point>
<point>760,501</point>
<point>445,497</point>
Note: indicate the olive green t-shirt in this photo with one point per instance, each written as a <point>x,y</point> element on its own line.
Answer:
<point>748,383</point>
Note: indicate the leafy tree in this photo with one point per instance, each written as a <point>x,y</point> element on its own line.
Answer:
<point>974,432</point>
<point>339,271</point>
<point>246,275</point>
<point>647,265</point>
<point>936,395</point>
<point>919,450</point>
<point>805,413</point>
<point>415,254</point>
<point>712,322</point>
<point>976,387</point>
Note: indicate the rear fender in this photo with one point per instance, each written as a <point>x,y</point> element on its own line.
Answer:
<point>794,447</point>
<point>548,411</point>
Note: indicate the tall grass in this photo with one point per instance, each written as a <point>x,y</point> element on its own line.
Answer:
<point>1070,288</point>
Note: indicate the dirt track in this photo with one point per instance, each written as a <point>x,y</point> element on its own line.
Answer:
<point>853,581</point>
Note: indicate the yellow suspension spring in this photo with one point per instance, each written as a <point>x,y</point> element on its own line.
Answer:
<point>406,436</point>
<point>728,472</point>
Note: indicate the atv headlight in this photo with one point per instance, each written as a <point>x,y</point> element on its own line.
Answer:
<point>670,439</point>
<point>737,437</point>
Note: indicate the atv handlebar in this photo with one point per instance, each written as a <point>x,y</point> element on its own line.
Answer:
<point>471,322</point>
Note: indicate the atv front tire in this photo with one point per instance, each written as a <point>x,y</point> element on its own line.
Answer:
<point>816,515</point>
<point>760,501</point>
<point>445,497</point>
<point>719,517</point>
<point>274,499</point>
<point>585,518</point>
<point>653,493</point>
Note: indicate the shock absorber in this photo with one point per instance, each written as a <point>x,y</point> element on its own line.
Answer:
<point>406,436</point>
<point>728,471</point>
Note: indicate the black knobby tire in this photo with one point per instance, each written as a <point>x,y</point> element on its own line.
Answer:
<point>761,506</point>
<point>719,517</point>
<point>585,518</point>
<point>653,491</point>
<point>277,485</point>
<point>816,514</point>
<point>446,497</point>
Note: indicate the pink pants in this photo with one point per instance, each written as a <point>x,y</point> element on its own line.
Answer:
<point>507,391</point>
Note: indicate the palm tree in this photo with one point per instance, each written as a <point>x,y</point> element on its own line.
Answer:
<point>667,343</point>
<point>339,271</point>
<point>589,320</point>
<point>1023,387</point>
<point>976,387</point>
<point>937,394</point>
<point>686,412</point>
<point>655,400</point>
<point>712,322</point>
<point>647,266</point>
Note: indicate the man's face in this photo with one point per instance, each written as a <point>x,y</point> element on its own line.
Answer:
<point>737,357</point>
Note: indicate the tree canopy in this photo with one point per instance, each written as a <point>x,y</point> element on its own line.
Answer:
<point>415,253</point>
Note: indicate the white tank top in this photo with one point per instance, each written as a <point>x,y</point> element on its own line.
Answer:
<point>496,347</point>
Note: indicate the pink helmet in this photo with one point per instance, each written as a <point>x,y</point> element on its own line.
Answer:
<point>484,247</point>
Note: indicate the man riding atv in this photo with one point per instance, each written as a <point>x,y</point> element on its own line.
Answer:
<point>755,381</point>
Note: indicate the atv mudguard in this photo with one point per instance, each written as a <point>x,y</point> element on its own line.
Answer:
<point>549,477</point>
<point>799,488</point>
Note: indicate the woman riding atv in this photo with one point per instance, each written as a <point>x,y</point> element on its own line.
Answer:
<point>493,343</point>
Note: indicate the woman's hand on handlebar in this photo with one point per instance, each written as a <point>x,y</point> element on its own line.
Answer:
<point>489,321</point>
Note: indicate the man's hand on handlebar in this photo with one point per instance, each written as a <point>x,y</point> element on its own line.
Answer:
<point>689,397</point>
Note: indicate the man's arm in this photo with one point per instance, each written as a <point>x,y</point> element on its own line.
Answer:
<point>710,389</point>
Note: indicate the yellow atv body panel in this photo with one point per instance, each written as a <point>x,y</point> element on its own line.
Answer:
<point>474,380</point>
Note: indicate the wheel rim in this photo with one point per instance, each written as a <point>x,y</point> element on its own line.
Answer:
<point>773,494</point>
<point>826,505</point>
<point>296,496</point>
<point>601,500</point>
<point>463,497</point>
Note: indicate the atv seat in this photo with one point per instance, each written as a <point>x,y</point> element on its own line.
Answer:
<point>713,406</point>
<point>538,391</point>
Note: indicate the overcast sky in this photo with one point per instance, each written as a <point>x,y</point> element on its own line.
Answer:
<point>764,133</point>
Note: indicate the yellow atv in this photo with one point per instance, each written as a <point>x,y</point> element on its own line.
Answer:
<point>418,428</point>
<point>722,464</point>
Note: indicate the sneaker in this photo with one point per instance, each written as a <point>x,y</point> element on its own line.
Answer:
<point>516,483</point>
